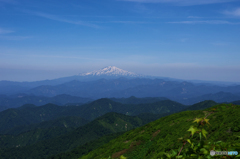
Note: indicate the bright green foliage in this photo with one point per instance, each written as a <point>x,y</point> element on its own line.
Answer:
<point>202,149</point>
<point>122,157</point>
<point>193,130</point>
<point>158,139</point>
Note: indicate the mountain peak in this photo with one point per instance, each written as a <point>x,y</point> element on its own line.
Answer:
<point>110,71</point>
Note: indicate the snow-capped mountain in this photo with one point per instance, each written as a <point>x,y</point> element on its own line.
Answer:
<point>111,71</point>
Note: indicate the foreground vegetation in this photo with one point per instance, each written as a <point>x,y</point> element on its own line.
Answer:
<point>159,139</point>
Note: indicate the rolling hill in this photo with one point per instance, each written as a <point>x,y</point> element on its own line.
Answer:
<point>30,114</point>
<point>104,125</point>
<point>28,135</point>
<point>150,140</point>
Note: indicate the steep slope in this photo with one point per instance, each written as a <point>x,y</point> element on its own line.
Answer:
<point>145,117</point>
<point>162,135</point>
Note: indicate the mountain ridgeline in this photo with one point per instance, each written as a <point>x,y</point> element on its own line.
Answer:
<point>183,92</point>
<point>153,139</point>
<point>112,113</point>
<point>50,130</point>
<point>112,82</point>
<point>18,100</point>
<point>53,131</point>
<point>30,114</point>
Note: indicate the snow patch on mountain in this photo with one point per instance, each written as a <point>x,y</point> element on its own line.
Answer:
<point>110,71</point>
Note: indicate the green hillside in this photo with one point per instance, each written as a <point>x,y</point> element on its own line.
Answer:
<point>201,105</point>
<point>104,105</point>
<point>149,141</point>
<point>27,115</point>
<point>48,135</point>
<point>30,114</point>
<point>104,125</point>
<point>42,131</point>
<point>86,148</point>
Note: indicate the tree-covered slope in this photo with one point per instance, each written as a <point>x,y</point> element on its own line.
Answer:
<point>149,141</point>
<point>145,117</point>
<point>104,125</point>
<point>30,114</point>
<point>27,115</point>
<point>86,148</point>
<point>135,100</point>
<point>37,132</point>
<point>104,105</point>
<point>201,105</point>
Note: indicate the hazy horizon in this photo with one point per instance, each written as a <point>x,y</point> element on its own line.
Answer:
<point>183,39</point>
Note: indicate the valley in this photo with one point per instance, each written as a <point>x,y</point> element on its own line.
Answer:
<point>87,117</point>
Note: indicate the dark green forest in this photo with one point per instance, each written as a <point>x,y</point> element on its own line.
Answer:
<point>53,132</point>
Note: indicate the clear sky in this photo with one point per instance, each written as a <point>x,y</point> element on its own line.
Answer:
<point>186,39</point>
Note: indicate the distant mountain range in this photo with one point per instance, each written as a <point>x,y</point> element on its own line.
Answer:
<point>184,92</point>
<point>71,116</point>
<point>18,100</point>
<point>112,82</point>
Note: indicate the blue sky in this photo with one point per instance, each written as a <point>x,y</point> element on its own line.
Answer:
<point>186,39</point>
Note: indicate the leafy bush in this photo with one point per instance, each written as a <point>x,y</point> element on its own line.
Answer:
<point>201,149</point>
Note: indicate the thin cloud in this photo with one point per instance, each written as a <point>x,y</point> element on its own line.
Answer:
<point>60,19</point>
<point>220,44</point>
<point>204,22</point>
<point>182,2</point>
<point>4,31</point>
<point>235,12</point>
<point>15,37</point>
